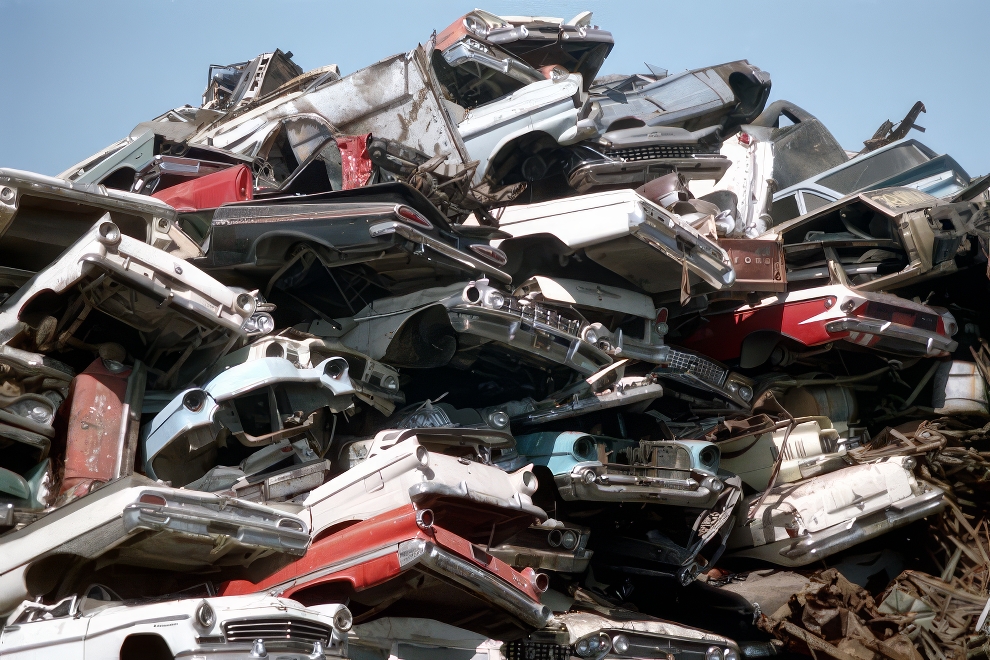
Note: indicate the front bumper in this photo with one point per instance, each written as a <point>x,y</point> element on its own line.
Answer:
<point>243,652</point>
<point>892,337</point>
<point>213,518</point>
<point>591,481</point>
<point>425,554</point>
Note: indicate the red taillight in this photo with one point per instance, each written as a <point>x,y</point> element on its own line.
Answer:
<point>494,255</point>
<point>745,139</point>
<point>412,216</point>
<point>150,498</point>
<point>662,315</point>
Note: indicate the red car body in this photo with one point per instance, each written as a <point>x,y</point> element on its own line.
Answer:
<point>824,314</point>
<point>400,564</point>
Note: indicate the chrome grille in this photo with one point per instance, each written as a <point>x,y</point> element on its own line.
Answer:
<point>657,151</point>
<point>545,315</point>
<point>706,370</point>
<point>528,650</point>
<point>248,630</point>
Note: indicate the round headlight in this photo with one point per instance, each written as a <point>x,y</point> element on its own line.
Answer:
<point>343,620</point>
<point>732,386</point>
<point>745,393</point>
<point>499,419</point>
<point>496,300</point>
<point>730,655</point>
<point>591,336</point>
<point>390,383</point>
<point>569,540</point>
<point>620,643</point>
<point>205,616</point>
<point>109,234</point>
<point>713,653</point>
<point>583,648</point>
<point>194,400</point>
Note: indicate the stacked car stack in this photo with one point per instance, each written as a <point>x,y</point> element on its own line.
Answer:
<point>476,351</point>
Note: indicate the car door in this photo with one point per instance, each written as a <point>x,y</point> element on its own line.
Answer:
<point>54,631</point>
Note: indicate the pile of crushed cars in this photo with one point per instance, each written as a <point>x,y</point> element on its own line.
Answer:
<point>474,353</point>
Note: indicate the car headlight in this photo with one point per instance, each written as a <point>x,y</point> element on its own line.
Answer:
<point>621,644</point>
<point>495,300</point>
<point>591,336</point>
<point>568,540</point>
<point>343,619</point>
<point>713,653</point>
<point>205,616</point>
<point>730,655</point>
<point>499,419</point>
<point>745,393</point>
<point>390,383</point>
<point>594,646</point>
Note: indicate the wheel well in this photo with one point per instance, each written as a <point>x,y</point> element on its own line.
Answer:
<point>145,646</point>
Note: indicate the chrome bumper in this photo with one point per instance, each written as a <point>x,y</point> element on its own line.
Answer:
<point>464,259</point>
<point>562,561</point>
<point>482,583</point>
<point>427,489</point>
<point>703,257</point>
<point>248,529</point>
<point>590,481</point>
<point>529,336</point>
<point>930,344</point>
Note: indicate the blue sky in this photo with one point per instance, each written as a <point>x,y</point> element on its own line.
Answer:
<point>78,76</point>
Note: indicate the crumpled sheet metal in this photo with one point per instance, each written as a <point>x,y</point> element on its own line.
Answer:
<point>840,620</point>
<point>582,624</point>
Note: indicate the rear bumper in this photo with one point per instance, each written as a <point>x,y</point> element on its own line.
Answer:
<point>449,253</point>
<point>422,553</point>
<point>864,330</point>
<point>246,528</point>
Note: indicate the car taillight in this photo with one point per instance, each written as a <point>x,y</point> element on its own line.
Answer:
<point>412,216</point>
<point>745,139</point>
<point>151,498</point>
<point>493,255</point>
<point>901,316</point>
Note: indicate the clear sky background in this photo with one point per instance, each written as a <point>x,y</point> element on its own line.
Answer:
<point>77,76</point>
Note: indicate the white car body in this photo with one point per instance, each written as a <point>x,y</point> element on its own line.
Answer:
<point>99,626</point>
<point>547,106</point>
<point>399,471</point>
<point>626,233</point>
<point>748,178</point>
<point>116,515</point>
<point>798,524</point>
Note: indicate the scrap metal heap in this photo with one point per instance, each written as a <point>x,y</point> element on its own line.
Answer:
<point>477,352</point>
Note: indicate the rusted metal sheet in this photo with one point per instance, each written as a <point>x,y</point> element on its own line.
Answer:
<point>102,431</point>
